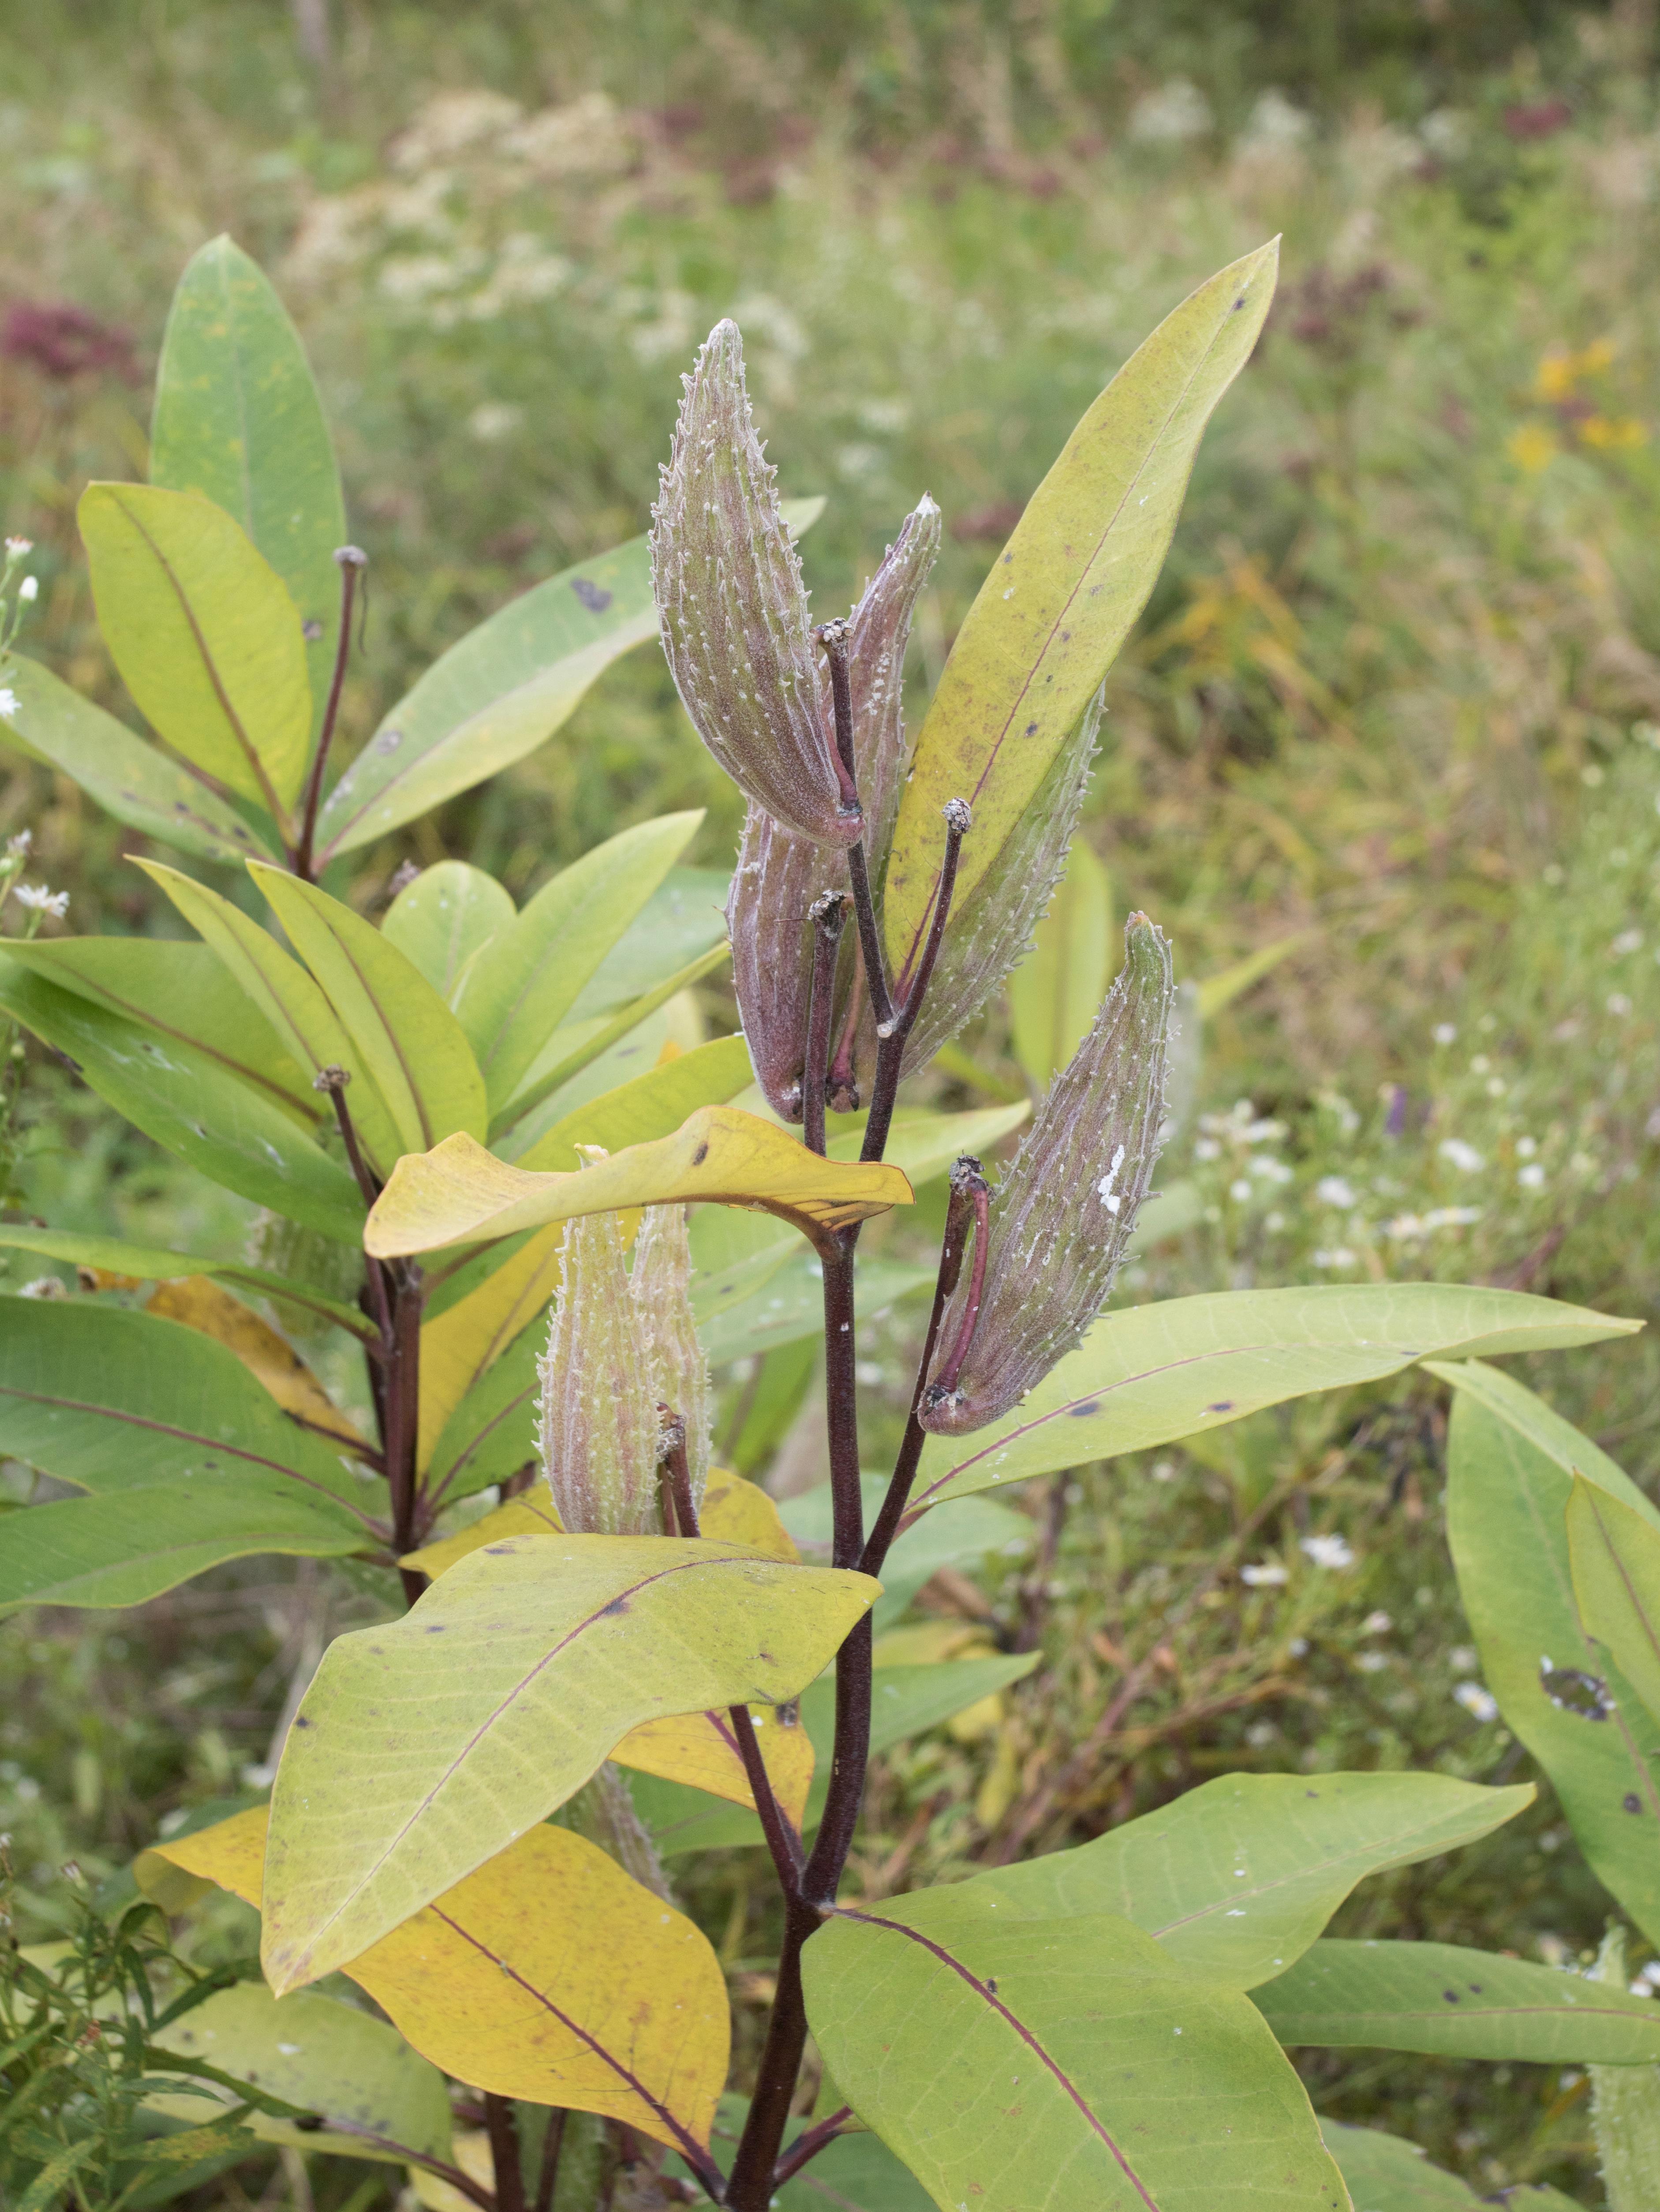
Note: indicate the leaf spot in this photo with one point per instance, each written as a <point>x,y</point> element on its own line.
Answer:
<point>700,1154</point>
<point>594,596</point>
<point>1632,1801</point>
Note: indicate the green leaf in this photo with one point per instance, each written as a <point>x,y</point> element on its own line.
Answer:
<point>238,419</point>
<point>922,1144</point>
<point>522,984</point>
<point>1450,2002</point>
<point>1056,992</point>
<point>1069,2063</point>
<point>183,992</point>
<point>125,1549</point>
<point>409,1042</point>
<point>684,917</point>
<point>1615,1555</point>
<point>113,1400</point>
<point>1510,1465</point>
<point>780,1304</point>
<point>153,1263</point>
<point>1237,1878</point>
<point>289,1005</point>
<point>191,1107</point>
<point>46,2190</point>
<point>1152,1374</point>
<point>1385,2174</point>
<point>204,634</point>
<point>1221,990</point>
<point>498,693</point>
<point>1063,593</point>
<point>424,1747</point>
<point>442,920</point>
<point>128,778</point>
<point>972,1528</point>
<point>332,2060</point>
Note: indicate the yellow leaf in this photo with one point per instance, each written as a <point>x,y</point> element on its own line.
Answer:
<point>733,1512</point>
<point>926,1642</point>
<point>532,1513</point>
<point>458,1347</point>
<point>547,1974</point>
<point>199,1303</point>
<point>702,1749</point>
<point>470,2152</point>
<point>459,1192</point>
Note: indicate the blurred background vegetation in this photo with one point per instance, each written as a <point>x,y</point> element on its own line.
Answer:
<point>1397,696</point>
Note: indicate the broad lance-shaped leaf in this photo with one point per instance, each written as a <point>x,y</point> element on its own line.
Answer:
<point>1614,1553</point>
<point>1448,2002</point>
<point>184,993</point>
<point>1511,1467</point>
<point>501,691</point>
<point>288,1002</point>
<point>409,1040</point>
<point>191,1107</point>
<point>733,1512</point>
<point>1063,593</point>
<point>375,2097</point>
<point>424,1747</point>
<point>198,1302</point>
<point>130,779</point>
<point>459,1192</point>
<point>523,981</point>
<point>127,1548</point>
<point>1152,1374</point>
<point>1385,2174</point>
<point>111,1255</point>
<point>444,919</point>
<point>781,874</point>
<point>238,419</point>
<point>1054,996</point>
<point>110,1401</point>
<point>549,1974</point>
<point>1238,1877</point>
<point>1065,2063</point>
<point>1061,1218</point>
<point>735,626</point>
<point>204,634</point>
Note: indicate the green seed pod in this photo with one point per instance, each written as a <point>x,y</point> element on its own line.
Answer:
<point>780,875</point>
<point>1060,1221</point>
<point>678,1374</point>
<point>734,615</point>
<point>598,1436</point>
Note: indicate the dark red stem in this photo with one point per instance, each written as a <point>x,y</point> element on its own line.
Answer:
<point>809,2144</point>
<point>353,560</point>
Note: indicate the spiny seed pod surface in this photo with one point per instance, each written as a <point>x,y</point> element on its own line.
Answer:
<point>659,1283</point>
<point>599,1430</point>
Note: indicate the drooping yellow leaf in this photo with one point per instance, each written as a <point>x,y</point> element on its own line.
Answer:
<point>457,1346</point>
<point>548,1974</point>
<point>734,1512</point>
<point>423,1747</point>
<point>532,1513</point>
<point>1063,593</point>
<point>459,1192</point>
<point>199,1303</point>
<point>701,1748</point>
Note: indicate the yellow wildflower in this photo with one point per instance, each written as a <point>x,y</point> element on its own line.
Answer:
<point>1532,447</point>
<point>1613,434</point>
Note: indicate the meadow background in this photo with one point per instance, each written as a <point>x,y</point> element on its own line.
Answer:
<point>1397,696</point>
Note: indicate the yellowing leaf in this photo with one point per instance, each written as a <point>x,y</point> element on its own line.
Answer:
<point>1064,592</point>
<point>458,1345</point>
<point>425,1746</point>
<point>548,1974</point>
<point>204,634</point>
<point>733,1512</point>
<point>701,1749</point>
<point>199,1303</point>
<point>532,1513</point>
<point>459,1192</point>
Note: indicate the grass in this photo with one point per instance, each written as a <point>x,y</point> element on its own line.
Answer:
<point>1399,690</point>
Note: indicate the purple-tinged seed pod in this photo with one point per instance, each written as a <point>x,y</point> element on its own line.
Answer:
<point>733,612</point>
<point>1060,1221</point>
<point>780,875</point>
<point>990,931</point>
<point>599,1430</point>
<point>660,1282</point>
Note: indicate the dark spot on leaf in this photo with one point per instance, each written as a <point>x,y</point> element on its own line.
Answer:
<point>1082,1413</point>
<point>312,630</point>
<point>436,1627</point>
<point>1632,1801</point>
<point>617,1605</point>
<point>1452,1995</point>
<point>495,1551</point>
<point>309,2124</point>
<point>700,1154</point>
<point>1310,1793</point>
<point>991,1985</point>
<point>1475,1989</point>
<point>1030,727</point>
<point>594,596</point>
<point>1222,1406</point>
<point>1585,1696</point>
<point>300,1721</point>
<point>1237,305</point>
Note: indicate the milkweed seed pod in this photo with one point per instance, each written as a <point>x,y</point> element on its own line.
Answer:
<point>599,1430</point>
<point>733,611</point>
<point>678,1374</point>
<point>780,875</point>
<point>1061,1219</point>
<point>991,930</point>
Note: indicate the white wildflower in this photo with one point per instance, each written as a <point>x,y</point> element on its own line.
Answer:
<point>1269,1169</point>
<point>1629,940</point>
<point>22,842</point>
<point>1329,1551</point>
<point>1335,1255</point>
<point>1371,1663</point>
<point>1444,1033</point>
<point>29,589</point>
<point>1474,1699</point>
<point>42,901</point>
<point>1240,1190</point>
<point>1334,1190</point>
<point>1263,1578</point>
<point>17,547</point>
<point>1462,1658</point>
<point>1531,1177</point>
<point>10,704</point>
<point>1618,1003</point>
<point>1376,1624</point>
<point>1457,1154</point>
<point>1206,1148</point>
<point>1526,1147</point>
